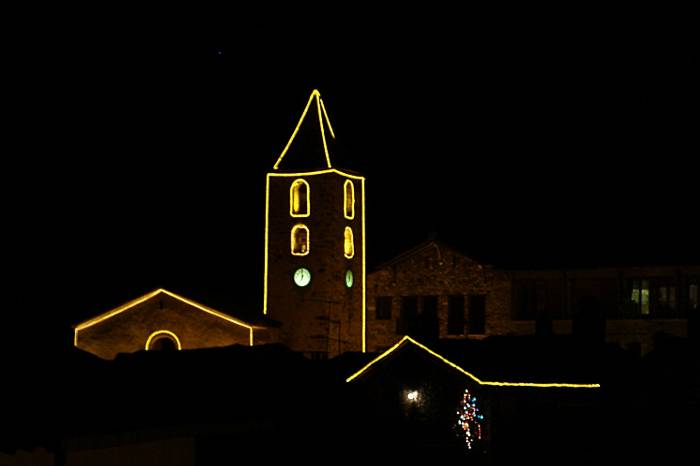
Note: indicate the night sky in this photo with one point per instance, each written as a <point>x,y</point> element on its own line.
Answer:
<point>139,143</point>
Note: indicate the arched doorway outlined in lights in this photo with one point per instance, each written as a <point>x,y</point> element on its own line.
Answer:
<point>163,340</point>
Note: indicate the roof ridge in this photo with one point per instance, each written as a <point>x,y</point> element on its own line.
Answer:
<point>152,294</point>
<point>407,339</point>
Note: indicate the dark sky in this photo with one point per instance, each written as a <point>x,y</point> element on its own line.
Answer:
<point>139,142</point>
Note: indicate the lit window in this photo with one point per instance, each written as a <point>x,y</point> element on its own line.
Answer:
<point>349,243</point>
<point>640,296</point>
<point>300,240</point>
<point>635,292</point>
<point>645,297</point>
<point>299,199</point>
<point>349,200</point>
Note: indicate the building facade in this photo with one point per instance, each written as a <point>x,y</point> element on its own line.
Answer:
<point>163,320</point>
<point>433,291</point>
<point>318,299</point>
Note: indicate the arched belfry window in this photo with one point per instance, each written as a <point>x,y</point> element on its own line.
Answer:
<point>349,242</point>
<point>299,203</point>
<point>300,240</point>
<point>349,203</point>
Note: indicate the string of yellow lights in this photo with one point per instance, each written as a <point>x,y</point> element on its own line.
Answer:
<point>408,339</point>
<point>322,115</point>
<point>300,198</point>
<point>131,304</point>
<point>163,332</point>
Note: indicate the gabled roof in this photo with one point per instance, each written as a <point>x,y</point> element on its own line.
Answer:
<point>431,244</point>
<point>315,133</point>
<point>405,341</point>
<point>153,294</point>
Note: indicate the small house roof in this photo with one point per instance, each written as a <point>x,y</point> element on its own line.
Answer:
<point>407,341</point>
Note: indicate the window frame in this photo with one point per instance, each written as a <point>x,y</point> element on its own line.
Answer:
<point>349,183</point>
<point>294,193</point>
<point>293,240</point>
<point>351,254</point>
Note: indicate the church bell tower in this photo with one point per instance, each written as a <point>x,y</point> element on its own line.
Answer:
<point>314,282</point>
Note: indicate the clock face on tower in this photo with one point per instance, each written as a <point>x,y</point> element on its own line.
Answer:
<point>349,279</point>
<point>302,276</point>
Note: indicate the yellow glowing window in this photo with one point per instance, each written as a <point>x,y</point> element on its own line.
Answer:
<point>349,243</point>
<point>300,240</point>
<point>349,200</point>
<point>640,296</point>
<point>299,204</point>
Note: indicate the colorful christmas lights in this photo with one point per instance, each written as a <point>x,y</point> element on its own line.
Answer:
<point>469,420</point>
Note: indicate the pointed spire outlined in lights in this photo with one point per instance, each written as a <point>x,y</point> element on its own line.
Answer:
<point>324,125</point>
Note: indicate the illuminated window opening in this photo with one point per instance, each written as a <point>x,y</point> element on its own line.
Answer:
<point>299,202</point>
<point>640,296</point>
<point>349,200</point>
<point>349,243</point>
<point>163,340</point>
<point>266,258</point>
<point>300,240</point>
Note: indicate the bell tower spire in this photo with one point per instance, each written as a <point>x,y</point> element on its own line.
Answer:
<point>314,279</point>
<point>311,142</point>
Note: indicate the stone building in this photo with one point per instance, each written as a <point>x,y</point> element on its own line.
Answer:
<point>314,281</point>
<point>314,263</point>
<point>433,291</point>
<point>162,320</point>
<point>317,299</point>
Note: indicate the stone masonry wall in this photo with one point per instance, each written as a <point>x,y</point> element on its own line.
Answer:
<point>436,270</point>
<point>128,331</point>
<point>324,316</point>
